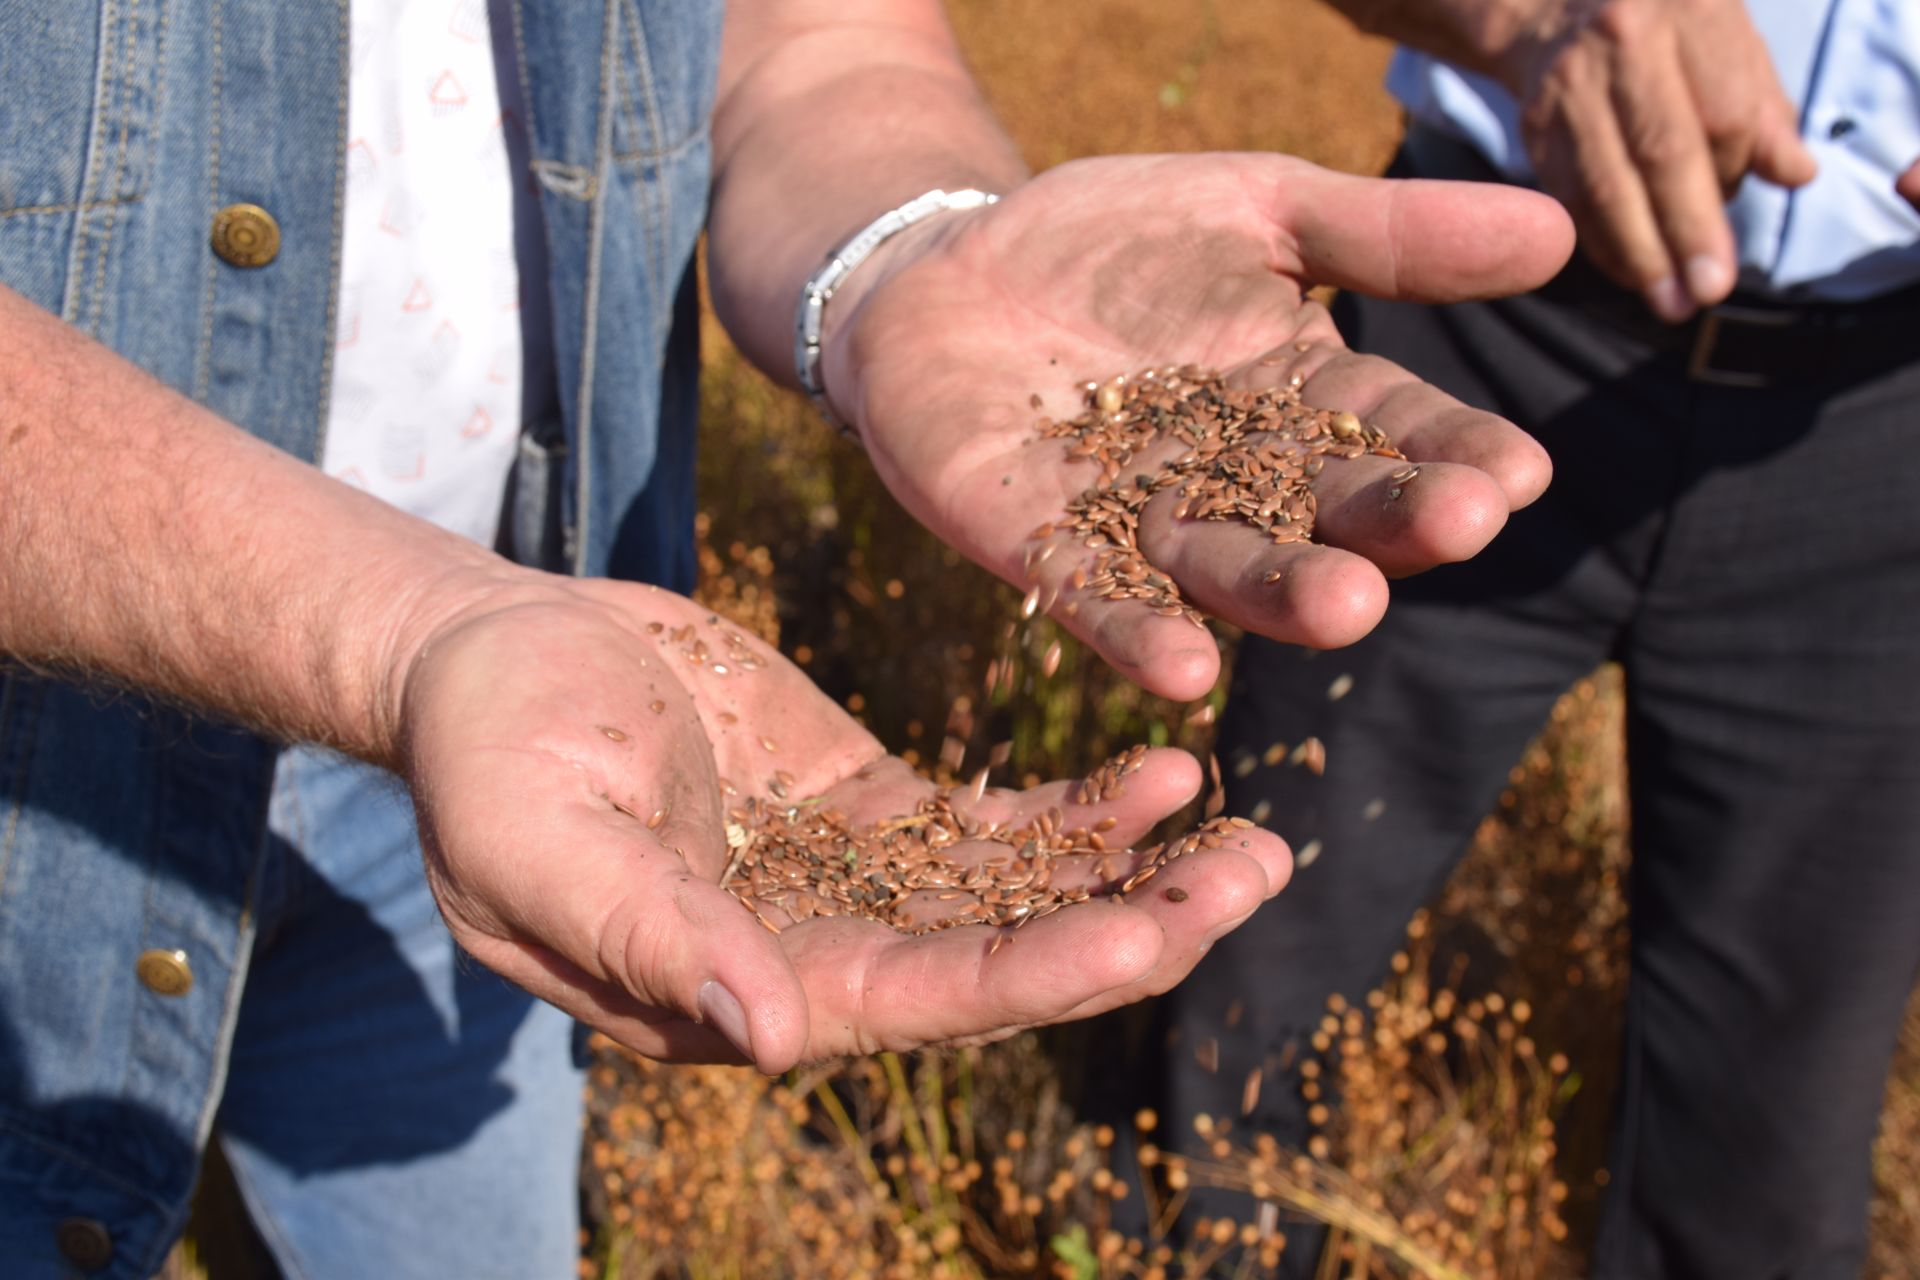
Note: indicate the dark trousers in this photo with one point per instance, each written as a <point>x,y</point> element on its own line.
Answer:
<point>1752,558</point>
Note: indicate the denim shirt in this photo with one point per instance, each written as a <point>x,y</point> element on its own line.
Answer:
<point>126,827</point>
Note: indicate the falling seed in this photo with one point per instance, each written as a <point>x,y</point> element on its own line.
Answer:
<point>1030,605</point>
<point>1235,1011</point>
<point>1375,807</point>
<point>1050,663</point>
<point>999,754</point>
<point>1202,715</point>
<point>1342,685</point>
<point>1207,1055</point>
<point>1313,755</point>
<point>1304,858</point>
<point>1250,1092</point>
<point>1261,811</point>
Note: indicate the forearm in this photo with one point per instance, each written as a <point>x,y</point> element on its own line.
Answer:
<point>145,542</point>
<point>830,113</point>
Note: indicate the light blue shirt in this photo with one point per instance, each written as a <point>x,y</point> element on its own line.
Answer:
<point>1853,66</point>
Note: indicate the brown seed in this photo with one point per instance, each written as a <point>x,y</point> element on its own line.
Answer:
<point>611,732</point>
<point>1175,893</point>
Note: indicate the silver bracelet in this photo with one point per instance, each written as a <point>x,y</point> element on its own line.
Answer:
<point>809,317</point>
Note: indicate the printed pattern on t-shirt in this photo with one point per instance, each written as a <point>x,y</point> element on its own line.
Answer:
<point>426,399</point>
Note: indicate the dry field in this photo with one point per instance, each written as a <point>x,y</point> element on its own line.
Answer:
<point>1469,1136</point>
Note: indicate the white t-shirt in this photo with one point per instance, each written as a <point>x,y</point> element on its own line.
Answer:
<point>426,408</point>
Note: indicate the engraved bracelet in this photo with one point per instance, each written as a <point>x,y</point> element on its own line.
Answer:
<point>809,317</point>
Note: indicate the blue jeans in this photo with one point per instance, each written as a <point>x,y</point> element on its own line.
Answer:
<point>389,1108</point>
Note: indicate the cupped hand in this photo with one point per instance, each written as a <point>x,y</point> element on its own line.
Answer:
<point>1643,116</point>
<point>1118,264</point>
<point>574,751</point>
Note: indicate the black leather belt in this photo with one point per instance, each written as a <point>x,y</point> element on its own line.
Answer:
<point>1747,341</point>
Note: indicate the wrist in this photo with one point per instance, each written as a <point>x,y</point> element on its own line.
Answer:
<point>419,619</point>
<point>826,370</point>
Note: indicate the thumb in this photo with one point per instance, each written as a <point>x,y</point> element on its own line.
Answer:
<point>1419,240</point>
<point>621,933</point>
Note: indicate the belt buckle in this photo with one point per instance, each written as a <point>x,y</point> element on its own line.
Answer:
<point>1706,342</point>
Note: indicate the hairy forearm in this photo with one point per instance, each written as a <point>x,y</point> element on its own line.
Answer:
<point>145,542</point>
<point>830,113</point>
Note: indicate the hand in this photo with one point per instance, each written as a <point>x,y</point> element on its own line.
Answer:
<point>1643,116</point>
<point>567,763</point>
<point>1113,265</point>
<point>1908,185</point>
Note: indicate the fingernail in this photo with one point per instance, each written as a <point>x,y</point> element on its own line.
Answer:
<point>1670,300</point>
<point>1708,279</point>
<point>720,1009</point>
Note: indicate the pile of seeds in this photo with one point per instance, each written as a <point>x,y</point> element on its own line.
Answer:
<point>1246,455</point>
<point>806,859</point>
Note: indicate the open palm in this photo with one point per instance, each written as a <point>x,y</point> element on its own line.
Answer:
<point>1117,264</point>
<point>573,758</point>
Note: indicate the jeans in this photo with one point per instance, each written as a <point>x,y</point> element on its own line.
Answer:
<point>388,1107</point>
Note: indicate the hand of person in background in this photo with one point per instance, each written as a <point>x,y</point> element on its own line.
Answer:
<point>1642,116</point>
<point>1116,264</point>
<point>573,772</point>
<point>1908,185</point>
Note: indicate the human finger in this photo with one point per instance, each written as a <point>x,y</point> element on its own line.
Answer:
<point>1421,240</point>
<point>870,988</point>
<point>1422,421</point>
<point>619,923</point>
<point>1908,185</point>
<point>1666,138</point>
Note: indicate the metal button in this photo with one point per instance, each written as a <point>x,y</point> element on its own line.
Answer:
<point>165,973</point>
<point>246,235</point>
<point>85,1242</point>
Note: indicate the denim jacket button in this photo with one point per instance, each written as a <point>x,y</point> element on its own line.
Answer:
<point>245,235</point>
<point>85,1242</point>
<point>165,973</point>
